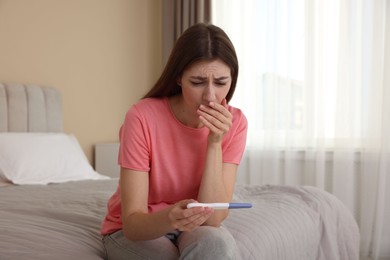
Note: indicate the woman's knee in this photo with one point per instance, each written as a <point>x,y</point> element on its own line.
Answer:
<point>218,237</point>
<point>208,243</point>
<point>118,247</point>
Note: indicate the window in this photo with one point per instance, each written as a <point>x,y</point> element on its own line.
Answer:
<point>299,81</point>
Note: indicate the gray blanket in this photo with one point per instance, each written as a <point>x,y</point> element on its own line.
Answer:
<point>62,221</point>
<point>294,223</point>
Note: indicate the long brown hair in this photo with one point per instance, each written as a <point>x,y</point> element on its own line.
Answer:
<point>199,42</point>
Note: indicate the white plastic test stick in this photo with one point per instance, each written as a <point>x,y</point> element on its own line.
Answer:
<point>232,205</point>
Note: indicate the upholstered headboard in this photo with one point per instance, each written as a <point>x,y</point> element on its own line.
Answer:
<point>30,108</point>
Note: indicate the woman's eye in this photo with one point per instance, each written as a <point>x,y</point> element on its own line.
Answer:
<point>196,83</point>
<point>200,83</point>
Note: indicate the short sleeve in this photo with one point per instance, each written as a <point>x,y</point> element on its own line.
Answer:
<point>234,146</point>
<point>134,139</point>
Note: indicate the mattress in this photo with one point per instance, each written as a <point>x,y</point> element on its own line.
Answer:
<point>62,221</point>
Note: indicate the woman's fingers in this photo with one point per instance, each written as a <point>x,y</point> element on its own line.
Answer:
<point>184,219</point>
<point>216,117</point>
<point>196,220</point>
<point>215,127</point>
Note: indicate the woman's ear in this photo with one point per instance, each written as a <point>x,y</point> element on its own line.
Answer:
<point>178,81</point>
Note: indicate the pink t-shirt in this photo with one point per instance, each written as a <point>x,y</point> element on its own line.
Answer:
<point>154,141</point>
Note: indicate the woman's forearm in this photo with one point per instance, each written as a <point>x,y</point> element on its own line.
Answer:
<point>212,187</point>
<point>146,226</point>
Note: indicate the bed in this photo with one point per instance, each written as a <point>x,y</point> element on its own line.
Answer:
<point>52,202</point>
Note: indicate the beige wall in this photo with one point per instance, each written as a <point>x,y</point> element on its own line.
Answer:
<point>102,54</point>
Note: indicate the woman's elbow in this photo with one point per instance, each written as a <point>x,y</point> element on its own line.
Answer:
<point>213,223</point>
<point>131,235</point>
<point>216,220</point>
<point>128,234</point>
<point>130,231</point>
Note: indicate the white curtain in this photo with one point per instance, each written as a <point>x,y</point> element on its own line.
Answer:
<point>314,84</point>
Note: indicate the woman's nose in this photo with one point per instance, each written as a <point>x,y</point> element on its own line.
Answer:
<point>209,93</point>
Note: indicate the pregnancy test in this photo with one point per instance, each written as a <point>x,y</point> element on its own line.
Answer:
<point>232,205</point>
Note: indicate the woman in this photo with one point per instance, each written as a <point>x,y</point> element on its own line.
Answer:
<point>181,143</point>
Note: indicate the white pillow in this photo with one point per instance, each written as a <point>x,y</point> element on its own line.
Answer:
<point>40,158</point>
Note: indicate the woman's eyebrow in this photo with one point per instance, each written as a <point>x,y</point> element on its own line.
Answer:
<point>198,77</point>
<point>205,78</point>
<point>222,78</point>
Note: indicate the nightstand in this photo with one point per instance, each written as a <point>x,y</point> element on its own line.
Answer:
<point>106,159</point>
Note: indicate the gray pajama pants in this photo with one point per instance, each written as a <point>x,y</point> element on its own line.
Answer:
<point>202,243</point>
